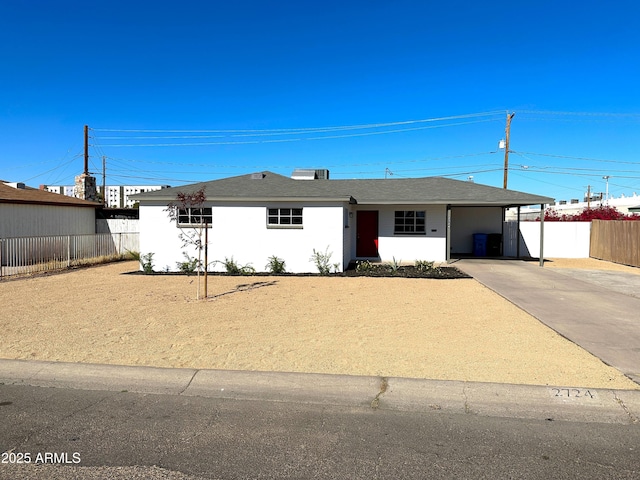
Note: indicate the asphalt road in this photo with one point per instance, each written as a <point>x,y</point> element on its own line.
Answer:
<point>118,435</point>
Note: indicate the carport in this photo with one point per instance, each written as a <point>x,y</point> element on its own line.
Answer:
<point>469,222</point>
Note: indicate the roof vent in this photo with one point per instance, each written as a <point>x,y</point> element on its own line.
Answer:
<point>19,185</point>
<point>257,176</point>
<point>322,174</point>
<point>310,174</point>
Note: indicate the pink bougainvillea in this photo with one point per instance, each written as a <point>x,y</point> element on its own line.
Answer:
<point>602,212</point>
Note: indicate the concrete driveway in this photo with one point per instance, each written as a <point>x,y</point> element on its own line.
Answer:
<point>600,311</point>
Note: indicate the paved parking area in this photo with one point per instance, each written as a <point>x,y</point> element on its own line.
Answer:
<point>597,310</point>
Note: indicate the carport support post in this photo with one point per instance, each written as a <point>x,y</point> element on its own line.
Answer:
<point>448,235</point>
<point>542,234</point>
<point>518,236</point>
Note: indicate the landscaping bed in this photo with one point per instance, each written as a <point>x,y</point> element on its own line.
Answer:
<point>406,271</point>
<point>361,269</point>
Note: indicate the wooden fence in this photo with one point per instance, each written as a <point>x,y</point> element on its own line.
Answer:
<point>23,255</point>
<point>616,241</point>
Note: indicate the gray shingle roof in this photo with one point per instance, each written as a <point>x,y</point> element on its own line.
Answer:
<point>428,190</point>
<point>30,195</point>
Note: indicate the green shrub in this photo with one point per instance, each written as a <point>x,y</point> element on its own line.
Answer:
<point>232,267</point>
<point>322,261</point>
<point>276,265</point>
<point>189,266</point>
<point>146,261</point>
<point>364,266</point>
<point>425,266</point>
<point>394,265</point>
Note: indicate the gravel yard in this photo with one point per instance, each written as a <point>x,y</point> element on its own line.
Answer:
<point>453,329</point>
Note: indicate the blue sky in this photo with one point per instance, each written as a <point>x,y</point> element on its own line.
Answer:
<point>178,92</point>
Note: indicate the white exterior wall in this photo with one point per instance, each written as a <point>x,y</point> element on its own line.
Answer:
<point>32,220</point>
<point>409,248</point>
<point>117,225</point>
<point>240,231</point>
<point>561,239</point>
<point>158,235</point>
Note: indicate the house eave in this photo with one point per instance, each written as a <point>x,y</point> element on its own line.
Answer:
<point>457,203</point>
<point>54,204</point>
<point>301,199</point>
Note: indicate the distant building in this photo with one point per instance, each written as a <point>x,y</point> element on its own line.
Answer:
<point>117,196</point>
<point>570,207</point>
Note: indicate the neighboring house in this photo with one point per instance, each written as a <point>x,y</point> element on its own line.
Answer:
<point>255,216</point>
<point>28,212</point>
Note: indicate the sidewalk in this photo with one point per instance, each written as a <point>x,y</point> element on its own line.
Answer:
<point>595,312</point>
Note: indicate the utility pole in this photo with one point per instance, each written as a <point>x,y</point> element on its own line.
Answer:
<point>506,148</point>
<point>104,180</point>
<point>86,150</point>
<point>606,195</point>
<point>588,197</point>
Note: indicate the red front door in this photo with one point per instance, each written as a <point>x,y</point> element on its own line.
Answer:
<point>367,233</point>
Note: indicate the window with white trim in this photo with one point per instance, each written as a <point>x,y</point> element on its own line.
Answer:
<point>284,217</point>
<point>411,222</point>
<point>189,217</point>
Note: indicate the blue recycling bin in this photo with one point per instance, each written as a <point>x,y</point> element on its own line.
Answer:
<point>480,244</point>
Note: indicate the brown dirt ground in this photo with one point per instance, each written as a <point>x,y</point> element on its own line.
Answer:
<point>420,328</point>
<point>589,264</point>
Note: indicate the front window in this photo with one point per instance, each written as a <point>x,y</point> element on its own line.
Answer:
<point>409,222</point>
<point>284,217</point>
<point>194,216</point>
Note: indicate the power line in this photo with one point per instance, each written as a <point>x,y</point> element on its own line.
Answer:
<point>518,173</point>
<point>288,140</point>
<point>574,174</point>
<point>245,167</point>
<point>574,158</point>
<point>311,129</point>
<point>580,114</point>
<point>53,169</point>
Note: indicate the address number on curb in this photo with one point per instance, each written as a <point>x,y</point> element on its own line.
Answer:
<point>571,393</point>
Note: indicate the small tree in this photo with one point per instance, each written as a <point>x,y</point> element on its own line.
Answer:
<point>191,205</point>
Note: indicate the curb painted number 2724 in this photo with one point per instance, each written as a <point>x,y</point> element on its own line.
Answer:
<point>571,393</point>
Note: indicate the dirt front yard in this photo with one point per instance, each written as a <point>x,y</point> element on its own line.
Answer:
<point>407,327</point>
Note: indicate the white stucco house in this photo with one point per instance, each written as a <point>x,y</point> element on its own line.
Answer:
<point>253,217</point>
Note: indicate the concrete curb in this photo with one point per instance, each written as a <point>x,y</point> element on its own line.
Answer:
<point>559,403</point>
<point>87,376</point>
